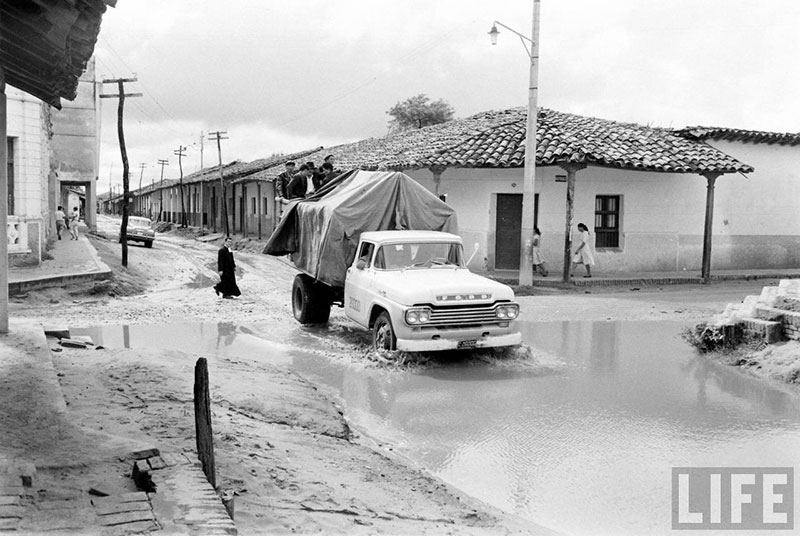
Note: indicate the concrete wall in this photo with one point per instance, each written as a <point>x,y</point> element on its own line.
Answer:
<point>74,148</point>
<point>28,126</point>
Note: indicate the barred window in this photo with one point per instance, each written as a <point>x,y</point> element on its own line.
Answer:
<point>606,221</point>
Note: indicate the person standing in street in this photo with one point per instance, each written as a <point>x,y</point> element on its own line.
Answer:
<point>583,255</point>
<point>61,219</point>
<point>536,253</point>
<point>73,223</point>
<point>227,271</point>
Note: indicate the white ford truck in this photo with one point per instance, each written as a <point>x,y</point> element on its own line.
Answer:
<point>410,288</point>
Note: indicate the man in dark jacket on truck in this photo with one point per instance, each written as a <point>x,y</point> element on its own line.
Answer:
<point>299,183</point>
<point>282,182</point>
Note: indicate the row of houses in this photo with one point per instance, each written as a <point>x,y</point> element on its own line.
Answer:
<point>652,197</point>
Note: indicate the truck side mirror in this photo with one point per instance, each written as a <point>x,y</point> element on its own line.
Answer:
<point>361,264</point>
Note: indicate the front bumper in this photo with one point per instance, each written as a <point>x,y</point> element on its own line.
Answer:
<point>433,345</point>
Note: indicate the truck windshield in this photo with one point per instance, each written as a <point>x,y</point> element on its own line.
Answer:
<point>418,255</point>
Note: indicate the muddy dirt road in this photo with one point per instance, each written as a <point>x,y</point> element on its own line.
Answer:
<point>284,447</point>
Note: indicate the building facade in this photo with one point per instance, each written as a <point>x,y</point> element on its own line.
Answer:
<point>28,145</point>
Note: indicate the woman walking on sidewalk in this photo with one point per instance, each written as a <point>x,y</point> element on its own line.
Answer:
<point>73,223</point>
<point>583,255</point>
<point>536,253</point>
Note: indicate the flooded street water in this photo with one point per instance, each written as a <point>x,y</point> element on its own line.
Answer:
<point>588,449</point>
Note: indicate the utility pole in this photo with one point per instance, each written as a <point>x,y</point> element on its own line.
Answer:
<point>202,143</point>
<point>218,136</point>
<point>180,153</point>
<point>161,163</point>
<point>141,173</point>
<point>125,186</point>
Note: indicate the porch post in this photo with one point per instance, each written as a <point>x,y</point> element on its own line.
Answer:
<point>90,216</point>
<point>3,207</point>
<point>260,208</point>
<point>437,177</point>
<point>571,170</point>
<point>711,178</point>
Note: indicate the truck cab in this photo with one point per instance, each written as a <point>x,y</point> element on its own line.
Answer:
<point>413,291</point>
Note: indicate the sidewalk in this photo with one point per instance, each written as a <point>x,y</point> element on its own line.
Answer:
<point>599,279</point>
<point>39,443</point>
<point>72,260</point>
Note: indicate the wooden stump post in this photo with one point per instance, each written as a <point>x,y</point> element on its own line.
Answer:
<point>202,421</point>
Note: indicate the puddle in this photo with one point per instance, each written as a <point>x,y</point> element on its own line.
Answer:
<point>586,447</point>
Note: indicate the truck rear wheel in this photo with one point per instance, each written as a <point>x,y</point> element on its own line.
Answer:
<point>311,302</point>
<point>383,337</point>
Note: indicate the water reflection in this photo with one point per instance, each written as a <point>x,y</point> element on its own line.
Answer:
<point>589,450</point>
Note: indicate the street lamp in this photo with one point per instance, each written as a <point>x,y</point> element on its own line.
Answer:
<point>529,180</point>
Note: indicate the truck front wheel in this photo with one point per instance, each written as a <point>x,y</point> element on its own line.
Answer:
<point>311,302</point>
<point>383,337</point>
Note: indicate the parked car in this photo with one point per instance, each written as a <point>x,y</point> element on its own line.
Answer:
<point>140,230</point>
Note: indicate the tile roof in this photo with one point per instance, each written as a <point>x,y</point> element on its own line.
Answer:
<point>45,45</point>
<point>737,134</point>
<point>406,149</point>
<point>497,139</point>
<point>569,138</point>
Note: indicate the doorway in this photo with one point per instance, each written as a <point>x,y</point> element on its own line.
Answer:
<point>508,227</point>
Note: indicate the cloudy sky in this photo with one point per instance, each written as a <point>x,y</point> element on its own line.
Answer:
<point>284,76</point>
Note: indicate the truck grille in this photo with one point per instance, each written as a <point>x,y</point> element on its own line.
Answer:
<point>464,315</point>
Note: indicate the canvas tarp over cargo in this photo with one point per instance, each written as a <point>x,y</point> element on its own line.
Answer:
<point>321,232</point>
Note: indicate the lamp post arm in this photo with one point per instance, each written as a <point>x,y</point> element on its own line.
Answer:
<point>527,42</point>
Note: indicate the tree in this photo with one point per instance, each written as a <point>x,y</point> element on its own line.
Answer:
<point>418,112</point>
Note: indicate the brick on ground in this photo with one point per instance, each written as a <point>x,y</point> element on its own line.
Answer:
<point>126,517</point>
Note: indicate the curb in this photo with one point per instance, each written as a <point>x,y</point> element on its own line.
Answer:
<point>645,281</point>
<point>102,272</point>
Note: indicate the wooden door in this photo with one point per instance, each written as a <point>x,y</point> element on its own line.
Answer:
<point>508,229</point>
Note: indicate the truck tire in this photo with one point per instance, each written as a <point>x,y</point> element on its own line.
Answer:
<point>311,302</point>
<point>383,337</point>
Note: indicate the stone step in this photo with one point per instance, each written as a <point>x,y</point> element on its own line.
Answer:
<point>771,331</point>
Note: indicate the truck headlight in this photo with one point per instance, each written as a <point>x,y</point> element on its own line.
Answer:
<point>418,315</point>
<point>507,312</point>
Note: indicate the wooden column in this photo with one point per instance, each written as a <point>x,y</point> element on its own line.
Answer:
<point>244,209</point>
<point>202,420</point>
<point>437,177</point>
<point>260,208</point>
<point>711,179</point>
<point>571,170</point>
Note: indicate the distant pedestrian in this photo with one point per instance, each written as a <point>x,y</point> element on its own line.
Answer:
<point>536,254</point>
<point>61,221</point>
<point>583,255</point>
<point>73,223</point>
<point>227,272</point>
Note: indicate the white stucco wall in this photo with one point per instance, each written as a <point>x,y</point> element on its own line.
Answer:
<point>26,124</point>
<point>756,220</point>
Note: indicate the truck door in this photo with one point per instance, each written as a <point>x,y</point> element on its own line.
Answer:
<point>358,284</point>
